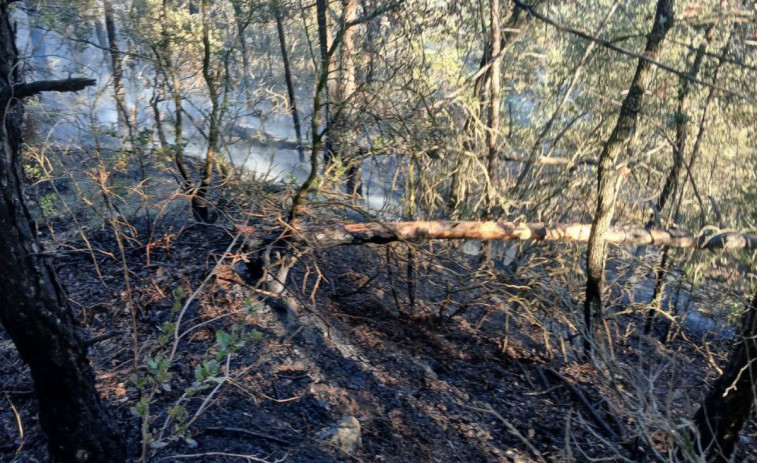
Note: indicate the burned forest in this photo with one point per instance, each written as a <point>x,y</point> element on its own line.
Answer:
<point>389,231</point>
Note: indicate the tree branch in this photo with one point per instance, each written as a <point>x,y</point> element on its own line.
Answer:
<point>381,233</point>
<point>64,85</point>
<point>608,44</point>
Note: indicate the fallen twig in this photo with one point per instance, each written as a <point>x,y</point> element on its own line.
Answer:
<point>578,393</point>
<point>247,432</point>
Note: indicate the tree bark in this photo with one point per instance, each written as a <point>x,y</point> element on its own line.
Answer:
<point>495,85</point>
<point>343,134</point>
<point>458,185</point>
<point>199,199</point>
<point>730,401</point>
<point>608,176</point>
<point>172,74</point>
<point>672,181</point>
<point>322,8</point>
<point>33,308</point>
<point>125,128</point>
<point>242,20</point>
<point>381,233</point>
<point>289,81</point>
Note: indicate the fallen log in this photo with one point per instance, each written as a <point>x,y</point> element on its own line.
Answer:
<point>387,232</point>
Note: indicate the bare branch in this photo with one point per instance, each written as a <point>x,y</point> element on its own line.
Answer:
<point>608,44</point>
<point>64,85</point>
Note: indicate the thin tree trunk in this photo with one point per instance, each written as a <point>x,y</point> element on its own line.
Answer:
<point>458,186</point>
<point>345,135</point>
<point>33,309</point>
<point>199,199</point>
<point>673,179</point>
<point>164,54</point>
<point>155,105</point>
<point>536,148</point>
<point>703,125</point>
<point>323,45</point>
<point>125,129</point>
<point>609,178</point>
<point>494,101</point>
<point>681,118</point>
<point>290,83</point>
<point>242,23</point>
<point>318,106</point>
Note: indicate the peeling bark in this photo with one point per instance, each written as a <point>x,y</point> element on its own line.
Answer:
<point>382,233</point>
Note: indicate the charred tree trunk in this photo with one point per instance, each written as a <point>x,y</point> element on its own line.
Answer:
<point>730,402</point>
<point>290,83</point>
<point>33,309</point>
<point>608,175</point>
<point>199,199</point>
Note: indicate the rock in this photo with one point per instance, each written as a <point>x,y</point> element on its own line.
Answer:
<point>344,435</point>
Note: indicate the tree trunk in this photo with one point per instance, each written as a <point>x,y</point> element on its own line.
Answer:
<point>172,74</point>
<point>681,119</point>
<point>673,179</point>
<point>322,7</point>
<point>199,199</point>
<point>730,402</point>
<point>609,178</point>
<point>494,100</point>
<point>343,134</point>
<point>290,83</point>
<point>155,105</point>
<point>458,185</point>
<point>33,308</point>
<point>125,129</point>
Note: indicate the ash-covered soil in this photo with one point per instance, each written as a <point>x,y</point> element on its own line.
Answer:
<point>438,364</point>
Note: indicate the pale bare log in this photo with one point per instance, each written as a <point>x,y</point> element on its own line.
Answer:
<point>380,233</point>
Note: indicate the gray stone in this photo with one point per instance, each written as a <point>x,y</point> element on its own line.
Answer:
<point>345,435</point>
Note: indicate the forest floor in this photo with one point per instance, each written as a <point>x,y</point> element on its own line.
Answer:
<point>364,353</point>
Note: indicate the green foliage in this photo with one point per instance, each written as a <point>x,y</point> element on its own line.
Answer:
<point>48,204</point>
<point>207,375</point>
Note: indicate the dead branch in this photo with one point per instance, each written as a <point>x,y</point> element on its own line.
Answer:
<point>607,44</point>
<point>382,233</point>
<point>247,432</point>
<point>64,85</point>
<point>550,161</point>
<point>576,391</point>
